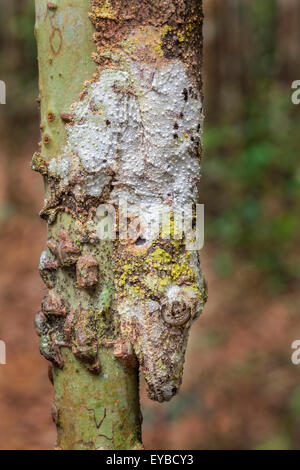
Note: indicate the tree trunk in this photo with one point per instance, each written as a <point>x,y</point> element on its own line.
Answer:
<point>288,37</point>
<point>121,120</point>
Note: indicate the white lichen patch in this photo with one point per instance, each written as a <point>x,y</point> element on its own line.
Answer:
<point>61,168</point>
<point>43,259</point>
<point>139,130</point>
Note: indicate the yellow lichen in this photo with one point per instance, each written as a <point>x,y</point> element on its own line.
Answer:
<point>166,29</point>
<point>190,27</point>
<point>181,37</point>
<point>161,257</point>
<point>129,45</point>
<point>151,272</point>
<point>104,11</point>
<point>180,269</point>
<point>158,48</point>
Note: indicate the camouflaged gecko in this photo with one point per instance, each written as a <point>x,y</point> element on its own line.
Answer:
<point>134,135</point>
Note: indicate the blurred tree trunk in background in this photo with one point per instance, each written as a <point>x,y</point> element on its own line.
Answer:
<point>237,36</point>
<point>19,116</point>
<point>211,58</point>
<point>288,39</point>
<point>9,51</point>
<point>8,60</point>
<point>251,55</point>
<point>225,38</point>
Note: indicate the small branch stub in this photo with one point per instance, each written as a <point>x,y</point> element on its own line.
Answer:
<point>51,6</point>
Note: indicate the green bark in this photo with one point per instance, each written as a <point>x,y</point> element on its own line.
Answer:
<point>91,411</point>
<point>96,412</point>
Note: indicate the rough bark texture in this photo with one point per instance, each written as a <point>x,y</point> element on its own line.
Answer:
<point>121,119</point>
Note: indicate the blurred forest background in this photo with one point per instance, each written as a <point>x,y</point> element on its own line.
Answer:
<point>240,388</point>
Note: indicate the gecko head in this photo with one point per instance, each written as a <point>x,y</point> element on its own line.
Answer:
<point>158,332</point>
<point>174,318</point>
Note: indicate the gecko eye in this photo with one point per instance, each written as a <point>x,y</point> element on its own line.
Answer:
<point>140,241</point>
<point>176,314</point>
